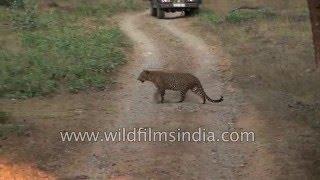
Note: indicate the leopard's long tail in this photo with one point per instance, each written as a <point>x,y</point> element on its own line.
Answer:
<point>208,98</point>
<point>214,100</point>
<point>200,91</point>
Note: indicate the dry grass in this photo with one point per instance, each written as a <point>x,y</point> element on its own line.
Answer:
<point>272,62</point>
<point>273,58</point>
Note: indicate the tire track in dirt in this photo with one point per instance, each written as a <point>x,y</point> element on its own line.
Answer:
<point>152,160</point>
<point>160,45</point>
<point>230,157</point>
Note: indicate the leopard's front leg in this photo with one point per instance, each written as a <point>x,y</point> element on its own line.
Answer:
<point>183,95</point>
<point>162,92</point>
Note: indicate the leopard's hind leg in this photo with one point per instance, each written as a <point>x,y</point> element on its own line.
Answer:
<point>199,91</point>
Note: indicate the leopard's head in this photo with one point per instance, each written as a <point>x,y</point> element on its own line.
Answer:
<point>144,76</point>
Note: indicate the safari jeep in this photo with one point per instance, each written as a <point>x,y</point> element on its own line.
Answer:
<point>159,7</point>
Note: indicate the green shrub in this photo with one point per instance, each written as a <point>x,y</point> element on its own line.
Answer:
<point>110,8</point>
<point>3,117</point>
<point>132,5</point>
<point>68,56</point>
<point>17,3</point>
<point>5,2</point>
<point>210,16</point>
<point>247,15</point>
<point>4,15</point>
<point>26,20</point>
<point>240,16</point>
<point>12,3</point>
<point>90,10</point>
<point>7,129</point>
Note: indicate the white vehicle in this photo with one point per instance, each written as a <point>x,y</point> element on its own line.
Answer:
<point>159,7</point>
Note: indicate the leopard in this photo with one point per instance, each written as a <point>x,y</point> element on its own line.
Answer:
<point>176,81</point>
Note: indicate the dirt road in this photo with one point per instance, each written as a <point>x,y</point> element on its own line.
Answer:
<point>165,45</point>
<point>158,44</point>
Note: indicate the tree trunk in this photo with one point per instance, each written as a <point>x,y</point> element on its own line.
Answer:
<point>314,7</point>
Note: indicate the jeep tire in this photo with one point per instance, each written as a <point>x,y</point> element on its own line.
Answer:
<point>191,12</point>
<point>160,13</point>
<point>153,11</point>
<point>188,12</point>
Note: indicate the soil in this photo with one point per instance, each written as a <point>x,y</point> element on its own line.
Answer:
<point>169,44</point>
